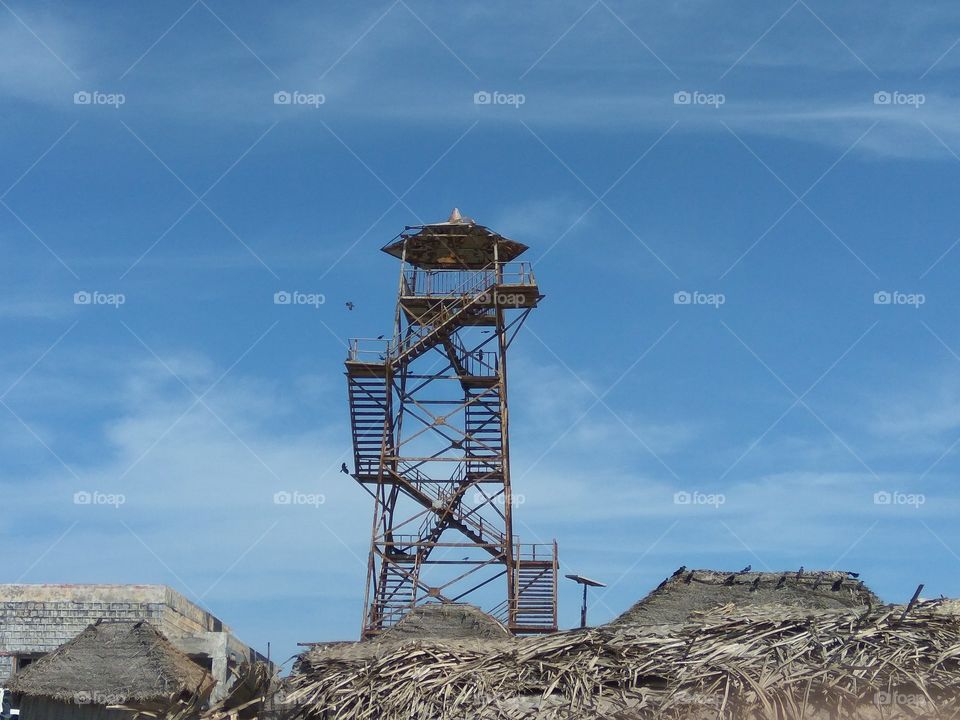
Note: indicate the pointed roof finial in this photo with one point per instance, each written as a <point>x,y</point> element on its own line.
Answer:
<point>455,216</point>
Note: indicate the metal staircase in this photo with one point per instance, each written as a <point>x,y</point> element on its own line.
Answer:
<point>484,433</point>
<point>536,582</point>
<point>370,422</point>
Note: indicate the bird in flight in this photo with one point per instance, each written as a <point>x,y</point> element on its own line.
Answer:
<point>349,305</point>
<point>344,469</point>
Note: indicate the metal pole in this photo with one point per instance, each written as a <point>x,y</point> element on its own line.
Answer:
<point>583,608</point>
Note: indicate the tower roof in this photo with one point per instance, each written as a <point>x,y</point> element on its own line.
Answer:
<point>457,243</point>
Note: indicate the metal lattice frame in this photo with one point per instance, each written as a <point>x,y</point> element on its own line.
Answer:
<point>434,399</point>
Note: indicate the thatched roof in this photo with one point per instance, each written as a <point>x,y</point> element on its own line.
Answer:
<point>128,662</point>
<point>690,591</point>
<point>457,243</point>
<point>446,620</point>
<point>732,662</point>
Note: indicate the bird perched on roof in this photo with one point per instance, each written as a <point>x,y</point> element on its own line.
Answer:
<point>349,305</point>
<point>816,583</point>
<point>837,585</point>
<point>679,571</point>
<point>730,579</point>
<point>756,584</point>
<point>853,574</point>
<point>782,581</point>
<point>747,569</point>
<point>344,469</point>
<point>689,577</point>
<point>800,572</point>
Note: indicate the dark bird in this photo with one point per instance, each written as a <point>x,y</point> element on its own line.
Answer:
<point>837,585</point>
<point>344,469</point>
<point>661,585</point>
<point>730,580</point>
<point>679,571</point>
<point>800,572</point>
<point>748,568</point>
<point>853,574</point>
<point>756,584</point>
<point>349,305</point>
<point>782,581</point>
<point>479,355</point>
<point>379,337</point>
<point>689,577</point>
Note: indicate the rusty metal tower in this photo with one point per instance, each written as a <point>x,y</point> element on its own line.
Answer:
<point>429,416</point>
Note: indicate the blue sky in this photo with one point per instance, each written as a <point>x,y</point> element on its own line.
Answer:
<point>783,198</point>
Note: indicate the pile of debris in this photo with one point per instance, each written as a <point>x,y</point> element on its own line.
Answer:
<point>836,654</point>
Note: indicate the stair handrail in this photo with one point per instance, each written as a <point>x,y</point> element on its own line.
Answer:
<point>468,288</point>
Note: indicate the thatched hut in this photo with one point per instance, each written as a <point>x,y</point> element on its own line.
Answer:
<point>690,591</point>
<point>109,672</point>
<point>446,620</point>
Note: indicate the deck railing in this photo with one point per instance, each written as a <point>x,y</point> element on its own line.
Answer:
<point>418,282</point>
<point>369,350</point>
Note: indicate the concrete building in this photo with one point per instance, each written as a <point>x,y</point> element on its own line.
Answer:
<point>37,619</point>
